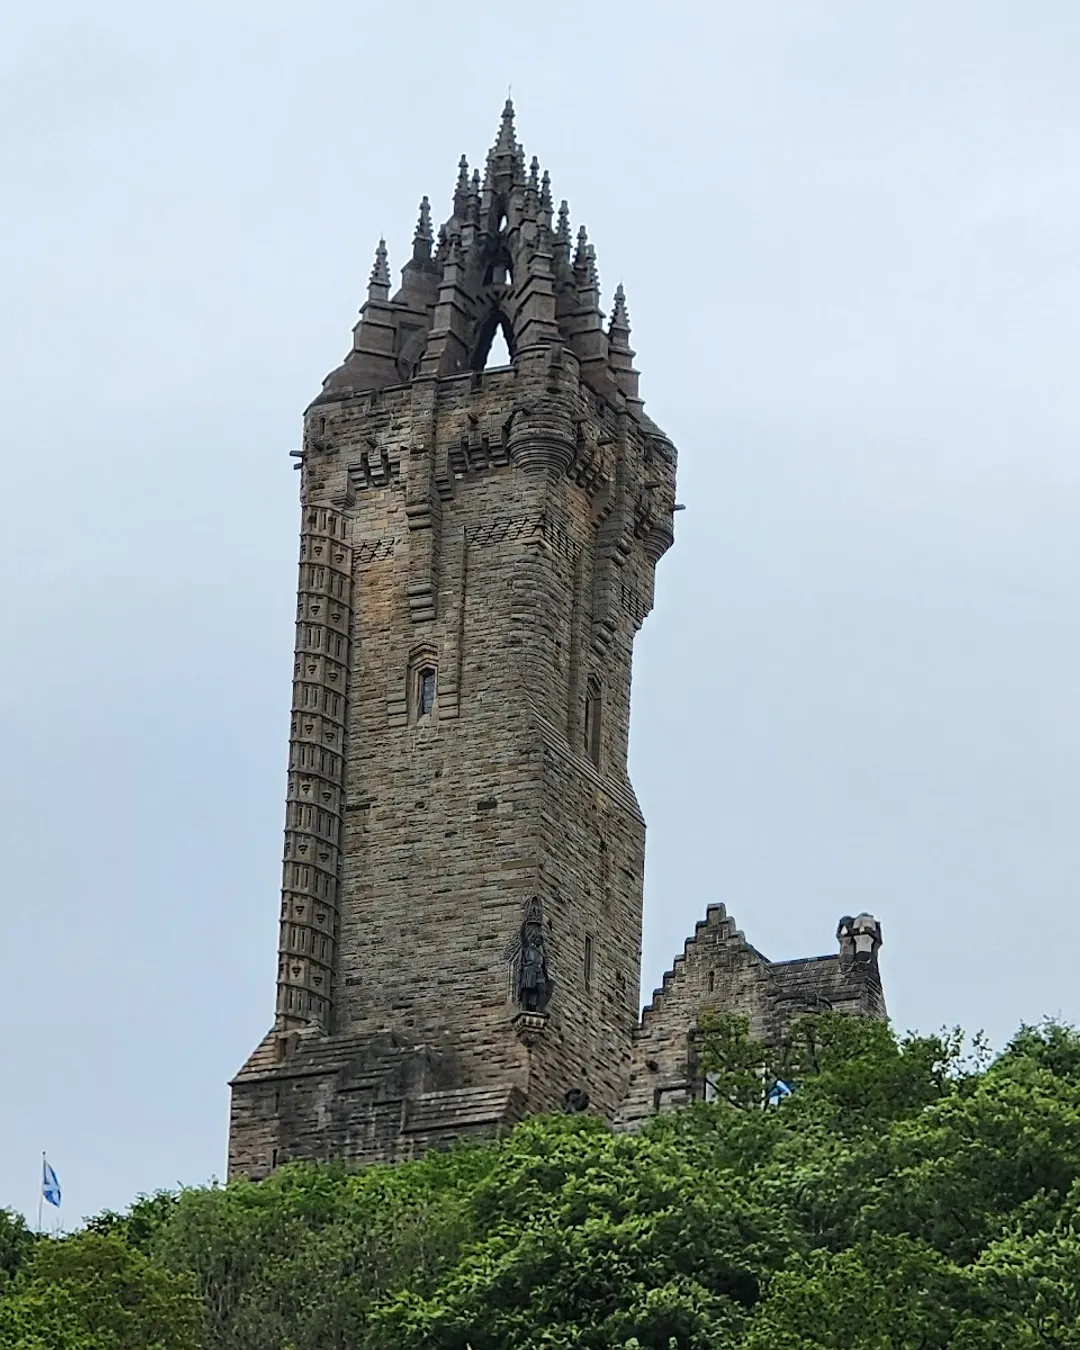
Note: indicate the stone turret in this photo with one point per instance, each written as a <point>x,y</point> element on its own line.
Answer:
<point>860,939</point>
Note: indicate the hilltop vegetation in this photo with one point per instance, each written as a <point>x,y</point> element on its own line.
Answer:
<point>902,1198</point>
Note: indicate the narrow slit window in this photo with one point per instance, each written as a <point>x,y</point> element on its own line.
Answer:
<point>425,692</point>
<point>593,709</point>
<point>588,961</point>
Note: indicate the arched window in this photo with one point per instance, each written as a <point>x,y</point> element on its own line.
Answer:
<point>422,687</point>
<point>593,713</point>
<point>495,344</point>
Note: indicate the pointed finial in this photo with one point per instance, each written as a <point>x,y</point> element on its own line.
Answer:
<point>545,192</point>
<point>379,281</point>
<point>581,253</point>
<point>441,245</point>
<point>472,205</point>
<point>620,317</point>
<point>561,252</point>
<point>423,236</point>
<point>591,269</point>
<point>532,187</point>
<point>461,190</point>
<point>506,142</point>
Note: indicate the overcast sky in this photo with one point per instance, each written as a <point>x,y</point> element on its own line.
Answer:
<point>848,234</point>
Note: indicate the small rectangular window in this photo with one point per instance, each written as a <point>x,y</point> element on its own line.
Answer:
<point>592,721</point>
<point>425,699</point>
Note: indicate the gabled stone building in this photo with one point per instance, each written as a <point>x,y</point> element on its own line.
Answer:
<point>460,923</point>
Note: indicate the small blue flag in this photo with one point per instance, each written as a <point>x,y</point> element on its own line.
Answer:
<point>50,1185</point>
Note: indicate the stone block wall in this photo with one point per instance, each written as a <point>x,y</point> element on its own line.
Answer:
<point>520,583</point>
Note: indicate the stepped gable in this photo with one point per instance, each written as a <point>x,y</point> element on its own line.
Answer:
<point>719,971</point>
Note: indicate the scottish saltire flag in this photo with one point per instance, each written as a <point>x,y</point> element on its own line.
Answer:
<point>50,1185</point>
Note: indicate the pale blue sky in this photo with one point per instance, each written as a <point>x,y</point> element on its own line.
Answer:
<point>848,234</point>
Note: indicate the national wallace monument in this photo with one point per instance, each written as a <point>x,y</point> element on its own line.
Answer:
<point>461,905</point>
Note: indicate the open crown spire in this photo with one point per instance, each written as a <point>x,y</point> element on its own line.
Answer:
<point>499,260</point>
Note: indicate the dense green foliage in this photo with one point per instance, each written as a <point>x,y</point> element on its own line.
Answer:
<point>901,1198</point>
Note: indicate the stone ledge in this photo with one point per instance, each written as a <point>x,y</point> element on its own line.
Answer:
<point>530,1026</point>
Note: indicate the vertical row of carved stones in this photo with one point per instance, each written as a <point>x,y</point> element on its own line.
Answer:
<point>316,792</point>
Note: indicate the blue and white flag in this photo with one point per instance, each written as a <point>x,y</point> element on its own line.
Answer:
<point>777,1093</point>
<point>50,1185</point>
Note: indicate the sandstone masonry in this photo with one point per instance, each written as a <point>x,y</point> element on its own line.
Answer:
<point>460,925</point>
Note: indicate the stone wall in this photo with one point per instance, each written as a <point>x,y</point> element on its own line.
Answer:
<point>518,573</point>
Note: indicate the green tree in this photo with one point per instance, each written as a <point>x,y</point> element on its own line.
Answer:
<point>299,1260</point>
<point>592,1239</point>
<point>905,1197</point>
<point>16,1242</point>
<point>92,1291</point>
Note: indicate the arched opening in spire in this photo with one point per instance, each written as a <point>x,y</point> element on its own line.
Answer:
<point>500,270</point>
<point>495,344</point>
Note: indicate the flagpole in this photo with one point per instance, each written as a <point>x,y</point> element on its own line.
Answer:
<point>41,1191</point>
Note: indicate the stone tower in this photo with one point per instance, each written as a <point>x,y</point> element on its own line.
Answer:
<point>460,921</point>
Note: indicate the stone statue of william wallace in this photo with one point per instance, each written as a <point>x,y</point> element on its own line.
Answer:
<point>534,985</point>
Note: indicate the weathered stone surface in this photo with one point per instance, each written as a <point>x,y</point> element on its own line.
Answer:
<point>477,554</point>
